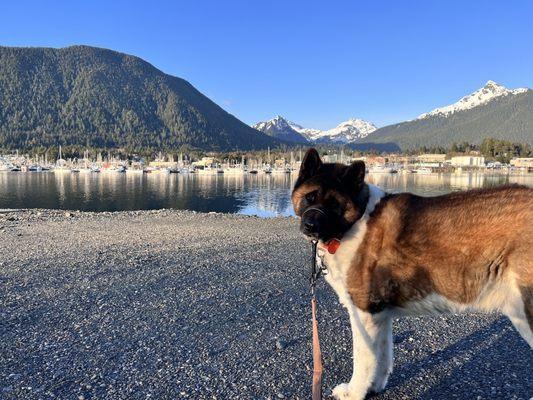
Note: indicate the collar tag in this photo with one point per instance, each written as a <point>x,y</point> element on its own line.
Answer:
<point>332,245</point>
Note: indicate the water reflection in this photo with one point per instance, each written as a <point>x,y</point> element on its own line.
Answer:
<point>263,195</point>
<point>436,184</point>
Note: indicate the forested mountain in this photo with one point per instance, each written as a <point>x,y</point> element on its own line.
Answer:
<point>100,98</point>
<point>491,112</point>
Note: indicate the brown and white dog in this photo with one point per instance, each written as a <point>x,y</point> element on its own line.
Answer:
<point>401,254</point>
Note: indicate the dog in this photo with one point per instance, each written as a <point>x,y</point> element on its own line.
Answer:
<point>389,255</point>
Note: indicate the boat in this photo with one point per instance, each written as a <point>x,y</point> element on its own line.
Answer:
<point>381,169</point>
<point>210,171</point>
<point>281,170</point>
<point>423,171</point>
<point>187,170</point>
<point>234,170</point>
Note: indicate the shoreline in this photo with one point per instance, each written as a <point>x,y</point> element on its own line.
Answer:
<point>184,304</point>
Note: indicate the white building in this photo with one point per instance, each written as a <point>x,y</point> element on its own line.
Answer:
<point>431,158</point>
<point>520,162</point>
<point>468,161</point>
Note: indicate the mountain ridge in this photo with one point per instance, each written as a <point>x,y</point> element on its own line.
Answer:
<point>487,93</point>
<point>493,111</point>
<point>89,96</point>
<point>344,133</point>
<point>506,116</point>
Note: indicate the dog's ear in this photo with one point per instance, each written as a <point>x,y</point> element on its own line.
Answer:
<point>354,175</point>
<point>310,165</point>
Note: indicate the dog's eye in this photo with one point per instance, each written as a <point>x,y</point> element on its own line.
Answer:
<point>311,196</point>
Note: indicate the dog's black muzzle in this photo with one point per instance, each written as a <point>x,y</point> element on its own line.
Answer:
<point>314,222</point>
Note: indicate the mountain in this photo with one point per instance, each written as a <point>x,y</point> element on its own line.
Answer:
<point>487,93</point>
<point>95,97</point>
<point>280,128</point>
<point>308,133</point>
<point>345,133</point>
<point>490,112</point>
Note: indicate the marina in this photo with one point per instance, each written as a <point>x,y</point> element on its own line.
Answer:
<point>256,184</point>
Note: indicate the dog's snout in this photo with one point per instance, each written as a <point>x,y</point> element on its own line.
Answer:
<point>313,222</point>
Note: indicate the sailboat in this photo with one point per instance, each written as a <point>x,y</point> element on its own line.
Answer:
<point>61,164</point>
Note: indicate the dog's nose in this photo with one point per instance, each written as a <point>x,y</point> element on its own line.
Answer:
<point>311,225</point>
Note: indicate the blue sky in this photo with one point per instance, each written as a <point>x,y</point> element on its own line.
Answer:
<point>317,63</point>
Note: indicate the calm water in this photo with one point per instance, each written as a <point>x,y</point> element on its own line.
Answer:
<point>263,195</point>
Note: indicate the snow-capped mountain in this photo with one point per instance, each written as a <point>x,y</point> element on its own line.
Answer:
<point>490,112</point>
<point>344,133</point>
<point>490,91</point>
<point>308,133</point>
<point>280,128</point>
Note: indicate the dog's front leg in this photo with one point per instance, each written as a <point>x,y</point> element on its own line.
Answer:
<point>372,354</point>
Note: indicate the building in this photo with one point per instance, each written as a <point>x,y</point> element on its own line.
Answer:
<point>522,162</point>
<point>205,162</point>
<point>372,160</point>
<point>468,161</point>
<point>431,158</point>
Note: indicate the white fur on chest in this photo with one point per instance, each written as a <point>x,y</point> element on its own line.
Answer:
<point>339,263</point>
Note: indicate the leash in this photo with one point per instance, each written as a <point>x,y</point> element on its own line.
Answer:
<point>316,272</point>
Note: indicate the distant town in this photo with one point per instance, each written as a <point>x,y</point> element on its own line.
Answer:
<point>491,155</point>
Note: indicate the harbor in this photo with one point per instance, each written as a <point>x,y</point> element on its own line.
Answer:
<point>284,163</point>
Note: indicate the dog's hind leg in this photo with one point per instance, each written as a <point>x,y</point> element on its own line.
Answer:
<point>372,354</point>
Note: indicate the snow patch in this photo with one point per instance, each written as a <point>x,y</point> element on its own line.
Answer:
<point>490,91</point>
<point>346,132</point>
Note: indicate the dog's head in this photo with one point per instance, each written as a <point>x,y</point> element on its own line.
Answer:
<point>329,198</point>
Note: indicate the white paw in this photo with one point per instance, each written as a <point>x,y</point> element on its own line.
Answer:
<point>346,392</point>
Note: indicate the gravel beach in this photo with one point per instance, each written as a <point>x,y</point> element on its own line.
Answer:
<point>174,305</point>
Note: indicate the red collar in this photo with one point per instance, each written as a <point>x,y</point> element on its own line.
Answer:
<point>332,245</point>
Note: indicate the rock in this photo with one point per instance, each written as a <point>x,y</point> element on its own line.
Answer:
<point>280,344</point>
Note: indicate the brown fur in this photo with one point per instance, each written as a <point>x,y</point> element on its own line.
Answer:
<point>452,245</point>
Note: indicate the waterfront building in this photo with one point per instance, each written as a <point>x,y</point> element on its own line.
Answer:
<point>468,161</point>
<point>431,158</point>
<point>522,162</point>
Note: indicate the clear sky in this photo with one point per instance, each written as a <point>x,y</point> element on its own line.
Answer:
<point>316,63</point>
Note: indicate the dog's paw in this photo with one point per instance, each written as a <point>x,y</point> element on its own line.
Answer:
<point>346,392</point>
